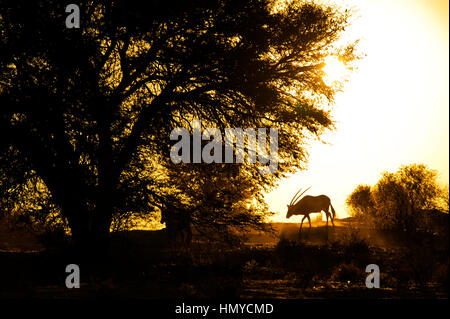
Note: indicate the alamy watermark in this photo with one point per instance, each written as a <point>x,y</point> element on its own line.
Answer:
<point>73,19</point>
<point>236,140</point>
<point>373,278</point>
<point>73,279</point>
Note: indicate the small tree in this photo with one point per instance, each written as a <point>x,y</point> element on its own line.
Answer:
<point>361,203</point>
<point>400,197</point>
<point>390,202</point>
<point>399,200</point>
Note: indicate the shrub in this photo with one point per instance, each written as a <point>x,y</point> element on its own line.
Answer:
<point>347,272</point>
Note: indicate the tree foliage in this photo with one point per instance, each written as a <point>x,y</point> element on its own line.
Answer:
<point>89,111</point>
<point>222,200</point>
<point>360,202</point>
<point>399,200</point>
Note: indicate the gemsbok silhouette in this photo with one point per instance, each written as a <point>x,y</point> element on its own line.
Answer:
<point>310,204</point>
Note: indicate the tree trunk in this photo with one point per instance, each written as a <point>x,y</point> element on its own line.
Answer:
<point>90,235</point>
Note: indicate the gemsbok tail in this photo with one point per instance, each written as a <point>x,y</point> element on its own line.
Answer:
<point>333,211</point>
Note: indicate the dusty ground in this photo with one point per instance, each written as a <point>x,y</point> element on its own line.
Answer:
<point>318,234</point>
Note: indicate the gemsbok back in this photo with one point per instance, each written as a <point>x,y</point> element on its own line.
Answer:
<point>310,204</point>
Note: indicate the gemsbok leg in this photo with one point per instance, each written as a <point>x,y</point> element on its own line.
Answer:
<point>301,224</point>
<point>331,217</point>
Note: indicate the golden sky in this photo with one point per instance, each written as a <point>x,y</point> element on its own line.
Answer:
<point>393,111</point>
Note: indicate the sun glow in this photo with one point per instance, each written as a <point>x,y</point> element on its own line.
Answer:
<point>334,70</point>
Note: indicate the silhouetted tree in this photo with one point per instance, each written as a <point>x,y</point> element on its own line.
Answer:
<point>87,111</point>
<point>398,200</point>
<point>361,203</point>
